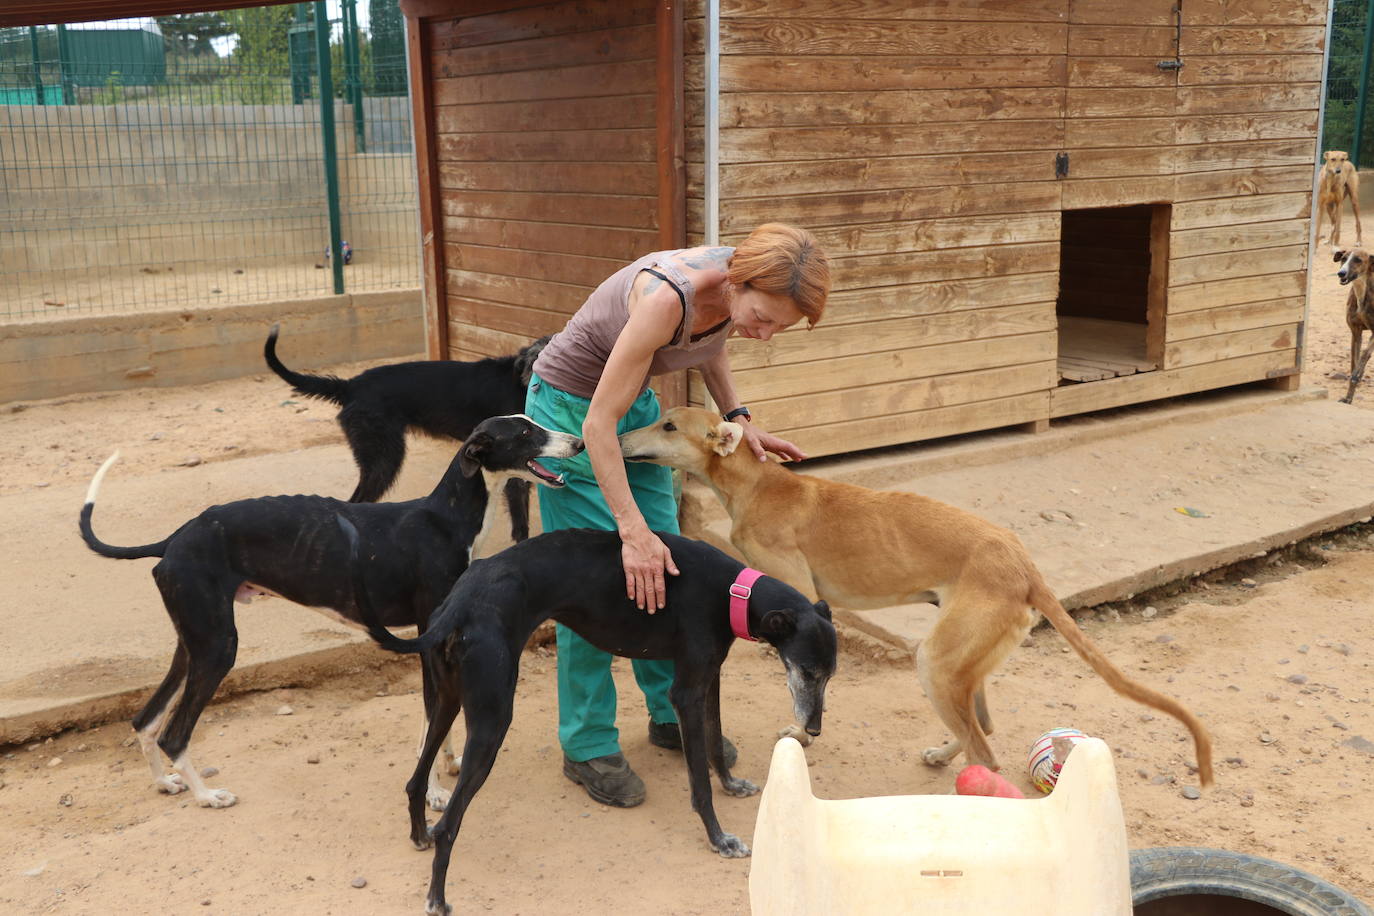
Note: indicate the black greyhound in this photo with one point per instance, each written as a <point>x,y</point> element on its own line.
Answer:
<point>443,398</point>
<point>472,655</point>
<point>292,546</point>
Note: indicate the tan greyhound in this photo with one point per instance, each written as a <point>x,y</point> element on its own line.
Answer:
<point>861,548</point>
<point>1338,182</point>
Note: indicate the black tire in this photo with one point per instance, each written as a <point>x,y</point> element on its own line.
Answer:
<point>1181,871</point>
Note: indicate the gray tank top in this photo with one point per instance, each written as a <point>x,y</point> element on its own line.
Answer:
<point>576,356</point>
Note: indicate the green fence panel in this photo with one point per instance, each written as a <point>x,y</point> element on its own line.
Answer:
<point>205,182</point>
<point>1344,86</point>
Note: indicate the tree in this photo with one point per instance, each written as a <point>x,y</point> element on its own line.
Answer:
<point>192,33</point>
<point>261,58</point>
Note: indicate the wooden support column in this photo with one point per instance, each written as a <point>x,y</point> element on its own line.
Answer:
<point>1157,293</point>
<point>427,179</point>
<point>669,119</point>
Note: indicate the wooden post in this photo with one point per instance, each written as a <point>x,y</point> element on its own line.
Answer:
<point>427,180</point>
<point>1157,292</point>
<point>671,155</point>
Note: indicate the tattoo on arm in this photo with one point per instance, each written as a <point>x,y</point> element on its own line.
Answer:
<point>650,285</point>
<point>719,258</point>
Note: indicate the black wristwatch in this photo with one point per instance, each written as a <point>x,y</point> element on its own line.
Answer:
<point>740,411</point>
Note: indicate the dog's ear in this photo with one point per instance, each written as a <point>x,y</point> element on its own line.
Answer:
<point>778,624</point>
<point>823,609</point>
<point>1337,255</point>
<point>725,438</point>
<point>470,455</point>
<point>524,360</point>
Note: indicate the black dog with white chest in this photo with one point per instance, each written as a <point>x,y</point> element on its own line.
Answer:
<point>473,644</point>
<point>292,546</point>
<point>439,397</point>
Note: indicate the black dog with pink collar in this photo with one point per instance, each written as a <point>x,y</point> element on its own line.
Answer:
<point>576,577</point>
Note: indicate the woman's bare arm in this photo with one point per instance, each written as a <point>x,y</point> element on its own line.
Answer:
<point>655,313</point>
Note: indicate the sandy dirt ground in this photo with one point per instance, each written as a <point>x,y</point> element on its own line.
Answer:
<point>1276,658</point>
<point>124,290</point>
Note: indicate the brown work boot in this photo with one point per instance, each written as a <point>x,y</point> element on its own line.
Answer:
<point>668,735</point>
<point>608,780</point>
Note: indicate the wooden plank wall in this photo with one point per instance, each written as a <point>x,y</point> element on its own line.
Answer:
<point>917,140</point>
<point>1230,139</point>
<point>545,135</point>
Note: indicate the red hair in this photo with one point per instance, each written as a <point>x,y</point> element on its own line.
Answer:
<point>786,261</point>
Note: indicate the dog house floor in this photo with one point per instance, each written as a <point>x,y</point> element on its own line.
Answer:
<point>1091,349</point>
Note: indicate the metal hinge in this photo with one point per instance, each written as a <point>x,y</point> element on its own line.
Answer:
<point>1177,62</point>
<point>1061,165</point>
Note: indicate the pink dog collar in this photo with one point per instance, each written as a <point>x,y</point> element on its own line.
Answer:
<point>740,591</point>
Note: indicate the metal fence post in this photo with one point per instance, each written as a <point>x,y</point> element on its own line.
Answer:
<point>64,55</point>
<point>353,66</point>
<point>297,57</point>
<point>1364,86</point>
<point>331,147</point>
<point>37,65</point>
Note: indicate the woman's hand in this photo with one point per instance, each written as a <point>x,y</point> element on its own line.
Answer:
<point>760,443</point>
<point>645,558</point>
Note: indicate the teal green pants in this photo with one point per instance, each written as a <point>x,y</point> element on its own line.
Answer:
<point>586,691</point>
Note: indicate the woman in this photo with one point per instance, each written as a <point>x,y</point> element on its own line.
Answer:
<point>667,311</point>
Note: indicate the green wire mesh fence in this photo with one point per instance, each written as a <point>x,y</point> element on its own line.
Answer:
<point>176,162</point>
<point>1347,79</point>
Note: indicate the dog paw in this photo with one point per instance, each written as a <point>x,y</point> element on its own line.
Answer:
<point>217,798</point>
<point>423,839</point>
<point>1346,400</point>
<point>731,847</point>
<point>739,788</point>
<point>934,757</point>
<point>434,908</point>
<point>437,798</point>
<point>798,733</point>
<point>171,784</point>
<point>453,764</point>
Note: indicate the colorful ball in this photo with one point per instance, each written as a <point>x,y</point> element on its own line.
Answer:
<point>1044,766</point>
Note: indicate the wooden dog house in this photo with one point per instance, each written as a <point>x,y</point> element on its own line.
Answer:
<point>1035,208</point>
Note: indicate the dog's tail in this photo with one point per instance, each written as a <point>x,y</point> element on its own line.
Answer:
<point>368,613</point>
<point>99,546</point>
<point>1043,600</point>
<point>325,387</point>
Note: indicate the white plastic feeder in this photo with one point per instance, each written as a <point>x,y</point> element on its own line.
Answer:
<point>942,854</point>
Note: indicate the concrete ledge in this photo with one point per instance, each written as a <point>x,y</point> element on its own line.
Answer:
<point>292,669</point>
<point>190,346</point>
<point>1096,507</point>
<point>885,467</point>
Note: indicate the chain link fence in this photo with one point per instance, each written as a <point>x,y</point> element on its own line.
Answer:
<point>181,161</point>
<point>1347,82</point>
